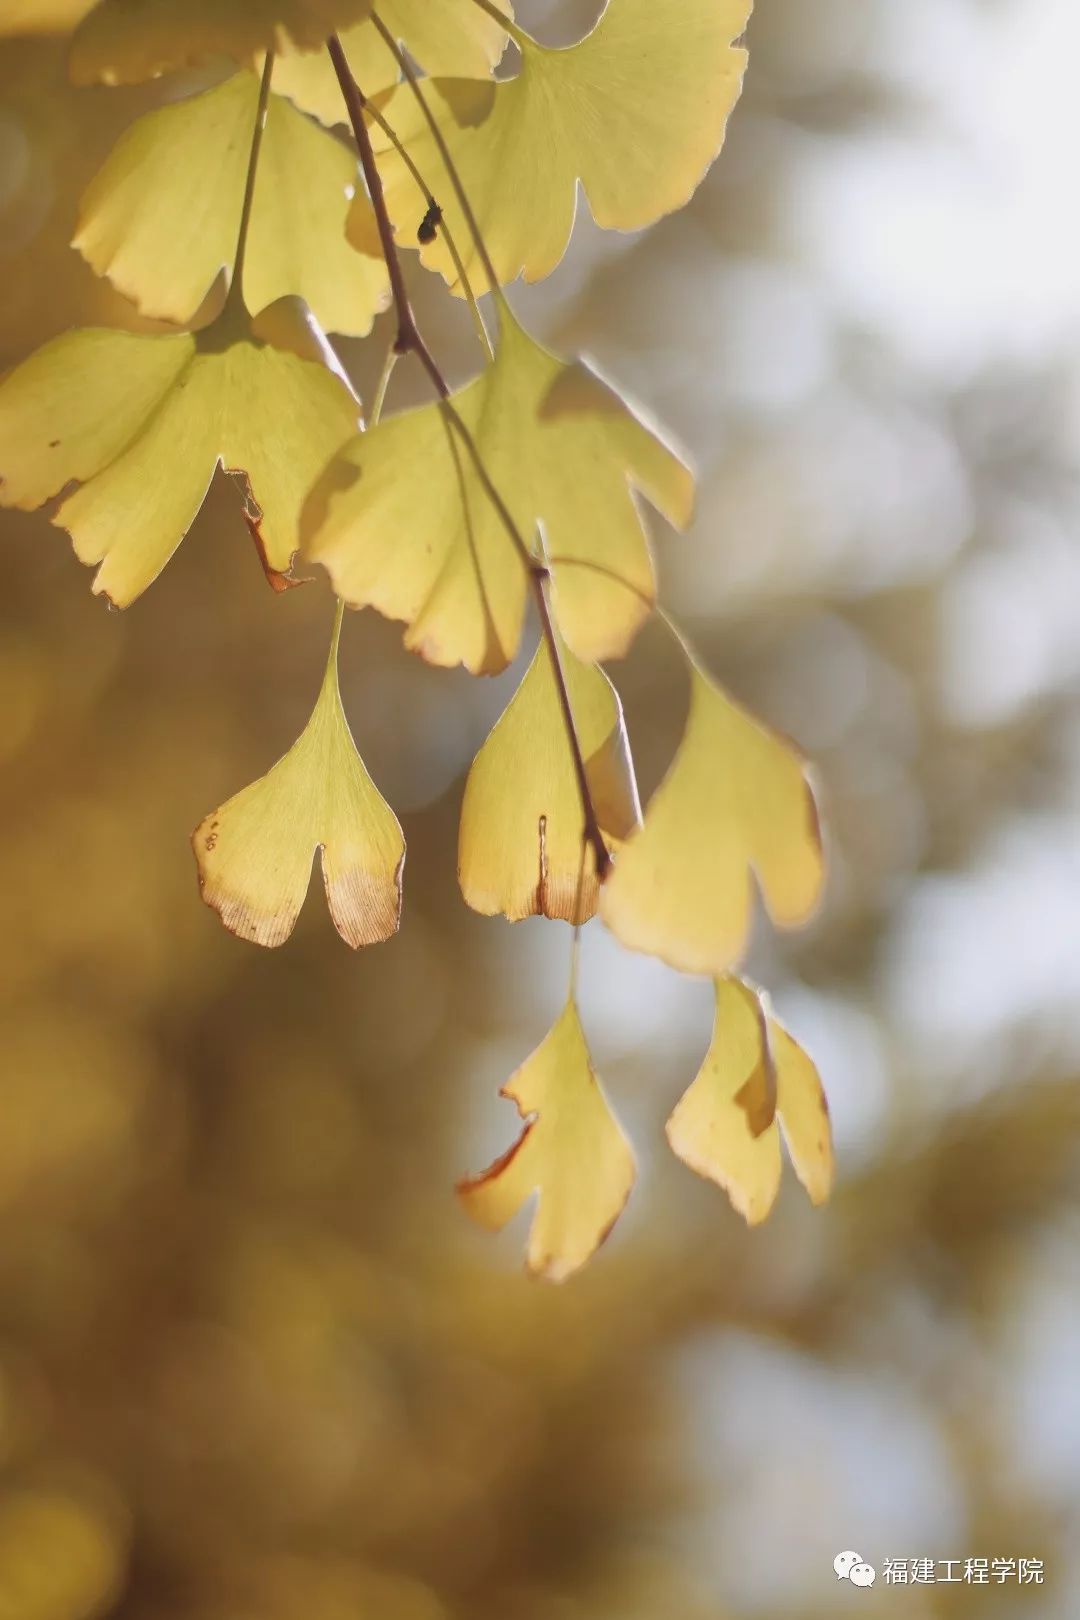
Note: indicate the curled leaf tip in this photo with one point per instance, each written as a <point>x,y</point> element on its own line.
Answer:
<point>755,1084</point>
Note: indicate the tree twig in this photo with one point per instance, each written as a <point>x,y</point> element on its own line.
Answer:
<point>236,285</point>
<point>409,340</point>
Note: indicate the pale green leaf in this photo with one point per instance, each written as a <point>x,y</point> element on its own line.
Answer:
<point>161,217</point>
<point>636,112</point>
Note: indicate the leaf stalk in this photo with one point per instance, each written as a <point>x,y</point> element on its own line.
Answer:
<point>410,340</point>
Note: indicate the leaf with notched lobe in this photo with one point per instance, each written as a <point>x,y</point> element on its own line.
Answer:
<point>521,845</point>
<point>735,806</point>
<point>445,36</point>
<point>125,41</point>
<point>636,112</point>
<point>402,523</point>
<point>755,1082</point>
<point>140,423</point>
<point>161,217</point>
<point>254,854</point>
<point>572,1153</point>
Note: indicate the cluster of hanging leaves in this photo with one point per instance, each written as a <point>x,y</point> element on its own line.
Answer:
<point>532,475</point>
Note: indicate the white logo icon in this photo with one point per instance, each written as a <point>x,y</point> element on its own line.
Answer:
<point>849,1566</point>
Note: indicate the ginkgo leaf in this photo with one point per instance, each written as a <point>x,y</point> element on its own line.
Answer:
<point>521,849</point>
<point>571,1152</point>
<point>255,853</point>
<point>141,422</point>
<point>452,37</point>
<point>636,112</point>
<point>403,524</point>
<point>735,805</point>
<point>162,230</point>
<point>125,41</point>
<point>755,1081</point>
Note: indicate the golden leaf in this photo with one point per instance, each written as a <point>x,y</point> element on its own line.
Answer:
<point>571,1152</point>
<point>402,523</point>
<point>141,423</point>
<point>124,41</point>
<point>255,853</point>
<point>735,805</point>
<point>755,1081</point>
<point>521,848</point>
<point>636,112</point>
<point>445,36</point>
<point>161,217</point>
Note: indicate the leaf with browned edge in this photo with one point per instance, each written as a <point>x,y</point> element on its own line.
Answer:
<point>571,1153</point>
<point>254,854</point>
<point>521,847</point>
<point>140,422</point>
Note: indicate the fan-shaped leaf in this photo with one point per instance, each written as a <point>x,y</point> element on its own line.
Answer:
<point>445,36</point>
<point>755,1079</point>
<point>254,854</point>
<point>161,217</point>
<point>521,846</point>
<point>736,804</point>
<point>636,112</point>
<point>402,523</point>
<point>571,1152</point>
<point>124,41</point>
<point>141,422</point>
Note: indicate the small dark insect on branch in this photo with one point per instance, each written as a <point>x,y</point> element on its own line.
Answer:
<point>430,223</point>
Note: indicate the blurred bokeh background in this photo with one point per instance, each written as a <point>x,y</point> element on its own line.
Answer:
<point>254,1364</point>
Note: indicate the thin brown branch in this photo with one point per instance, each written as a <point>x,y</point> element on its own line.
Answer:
<point>409,340</point>
<point>444,152</point>
<point>236,284</point>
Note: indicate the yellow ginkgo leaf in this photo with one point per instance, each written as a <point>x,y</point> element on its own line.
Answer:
<point>452,37</point>
<point>403,524</point>
<point>141,422</point>
<point>163,230</point>
<point>571,1152</point>
<point>125,41</point>
<point>255,853</point>
<point>521,848</point>
<point>755,1081</point>
<point>636,112</point>
<point>735,805</point>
